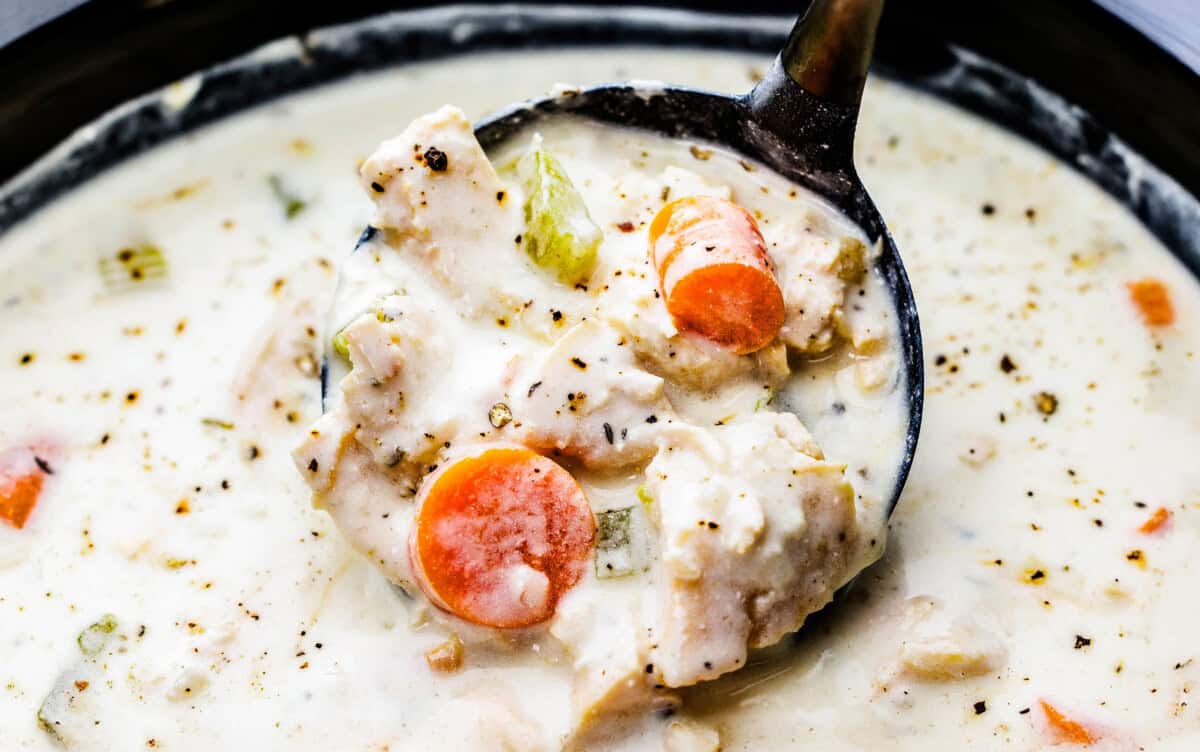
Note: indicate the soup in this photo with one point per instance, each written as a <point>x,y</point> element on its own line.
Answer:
<point>173,587</point>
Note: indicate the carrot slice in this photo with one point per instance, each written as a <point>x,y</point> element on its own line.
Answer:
<point>1153,301</point>
<point>715,274</point>
<point>21,479</point>
<point>1065,729</point>
<point>500,536</point>
<point>1156,521</point>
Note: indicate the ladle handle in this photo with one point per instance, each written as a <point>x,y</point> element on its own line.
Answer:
<point>830,47</point>
<point>809,98</point>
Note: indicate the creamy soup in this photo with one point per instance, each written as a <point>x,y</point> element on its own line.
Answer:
<point>173,586</point>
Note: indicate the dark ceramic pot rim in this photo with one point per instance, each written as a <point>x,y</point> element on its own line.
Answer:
<point>325,55</point>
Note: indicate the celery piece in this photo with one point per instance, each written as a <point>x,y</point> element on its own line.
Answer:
<point>93,638</point>
<point>614,538</point>
<point>764,400</point>
<point>560,235</point>
<point>851,263</point>
<point>292,204</point>
<point>644,496</point>
<point>341,346</point>
<point>133,266</point>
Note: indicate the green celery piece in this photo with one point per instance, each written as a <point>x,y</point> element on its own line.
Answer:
<point>92,639</point>
<point>560,235</point>
<point>614,539</point>
<point>341,346</point>
<point>644,495</point>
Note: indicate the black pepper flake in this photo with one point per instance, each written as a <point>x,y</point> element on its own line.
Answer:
<point>313,465</point>
<point>708,665</point>
<point>608,433</point>
<point>1007,365</point>
<point>939,360</point>
<point>980,707</point>
<point>649,668</point>
<point>533,388</point>
<point>839,408</point>
<point>579,363</point>
<point>500,196</point>
<point>1082,642</point>
<point>1023,711</point>
<point>714,525</point>
<point>556,315</point>
<point>376,187</point>
<point>652,419</point>
<point>988,209</point>
<point>43,465</point>
<point>436,160</point>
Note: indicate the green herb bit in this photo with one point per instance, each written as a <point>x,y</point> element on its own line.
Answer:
<point>644,496</point>
<point>292,204</point>
<point>132,266</point>
<point>92,639</point>
<point>851,263</point>
<point>560,235</point>
<point>764,400</point>
<point>341,346</point>
<point>217,423</point>
<point>46,724</point>
<point>614,538</point>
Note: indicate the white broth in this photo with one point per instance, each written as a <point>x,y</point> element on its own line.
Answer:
<point>163,410</point>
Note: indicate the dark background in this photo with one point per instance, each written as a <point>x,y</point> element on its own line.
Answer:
<point>67,72</point>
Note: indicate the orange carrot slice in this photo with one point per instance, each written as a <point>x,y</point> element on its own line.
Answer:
<point>21,479</point>
<point>1156,521</point>
<point>1153,301</point>
<point>500,536</point>
<point>715,274</point>
<point>1066,730</point>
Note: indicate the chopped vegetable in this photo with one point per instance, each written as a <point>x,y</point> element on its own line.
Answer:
<point>1064,729</point>
<point>851,264</point>
<point>715,274</point>
<point>613,556</point>
<point>644,496</point>
<point>341,346</point>
<point>623,539</point>
<point>500,536</point>
<point>292,204</point>
<point>1157,521</point>
<point>560,235</point>
<point>764,400</point>
<point>93,639</point>
<point>446,657</point>
<point>1153,301</point>
<point>500,415</point>
<point>133,266</point>
<point>22,475</point>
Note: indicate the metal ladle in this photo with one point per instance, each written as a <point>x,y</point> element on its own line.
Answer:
<point>799,120</point>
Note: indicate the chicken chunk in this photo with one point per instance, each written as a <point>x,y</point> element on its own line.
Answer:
<point>588,398</point>
<point>608,647</point>
<point>438,198</point>
<point>939,645</point>
<point>756,532</point>
<point>814,273</point>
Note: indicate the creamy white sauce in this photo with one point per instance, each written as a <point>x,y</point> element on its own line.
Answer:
<point>262,627</point>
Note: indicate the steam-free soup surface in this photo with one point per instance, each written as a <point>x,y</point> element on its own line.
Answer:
<point>173,588</point>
